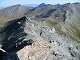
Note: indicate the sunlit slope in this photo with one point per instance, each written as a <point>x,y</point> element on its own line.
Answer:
<point>12,12</point>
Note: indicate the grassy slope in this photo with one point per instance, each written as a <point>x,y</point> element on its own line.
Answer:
<point>71,30</point>
<point>4,20</point>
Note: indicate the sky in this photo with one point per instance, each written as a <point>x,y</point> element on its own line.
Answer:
<point>4,3</point>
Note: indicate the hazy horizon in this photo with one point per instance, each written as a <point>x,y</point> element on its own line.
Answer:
<point>5,3</point>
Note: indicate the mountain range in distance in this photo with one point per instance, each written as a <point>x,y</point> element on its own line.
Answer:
<point>40,32</point>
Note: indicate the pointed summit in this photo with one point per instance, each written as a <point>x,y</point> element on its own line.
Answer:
<point>41,5</point>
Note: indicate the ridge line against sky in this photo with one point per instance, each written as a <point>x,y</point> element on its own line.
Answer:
<point>5,3</point>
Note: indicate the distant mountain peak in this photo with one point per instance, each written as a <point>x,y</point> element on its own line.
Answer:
<point>42,4</point>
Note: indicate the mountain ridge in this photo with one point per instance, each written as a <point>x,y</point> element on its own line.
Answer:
<point>44,32</point>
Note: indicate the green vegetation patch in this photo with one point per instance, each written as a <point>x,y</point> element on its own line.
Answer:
<point>49,23</point>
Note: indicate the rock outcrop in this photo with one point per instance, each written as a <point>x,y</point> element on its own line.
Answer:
<point>46,32</point>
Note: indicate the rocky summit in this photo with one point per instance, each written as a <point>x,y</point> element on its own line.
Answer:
<point>45,32</point>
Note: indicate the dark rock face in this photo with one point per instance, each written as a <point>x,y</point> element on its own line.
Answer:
<point>14,31</point>
<point>2,55</point>
<point>13,40</point>
<point>6,56</point>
